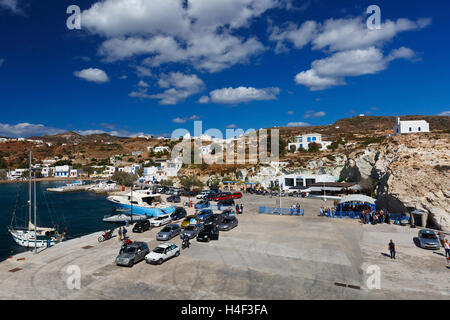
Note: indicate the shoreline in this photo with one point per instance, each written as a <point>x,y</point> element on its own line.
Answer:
<point>47,180</point>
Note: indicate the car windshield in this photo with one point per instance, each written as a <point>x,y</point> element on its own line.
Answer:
<point>166,229</point>
<point>158,250</point>
<point>129,250</point>
<point>429,236</point>
<point>190,227</point>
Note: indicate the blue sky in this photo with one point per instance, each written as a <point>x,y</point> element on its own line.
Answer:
<point>159,65</point>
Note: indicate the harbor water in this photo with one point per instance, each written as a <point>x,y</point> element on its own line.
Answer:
<point>80,212</point>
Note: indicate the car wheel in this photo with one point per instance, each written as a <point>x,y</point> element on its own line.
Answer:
<point>131,263</point>
<point>177,253</point>
<point>160,261</point>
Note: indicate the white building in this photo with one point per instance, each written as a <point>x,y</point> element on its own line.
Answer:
<point>47,171</point>
<point>302,180</point>
<point>206,150</point>
<point>410,126</point>
<point>62,171</point>
<point>133,169</point>
<point>16,174</point>
<point>303,141</point>
<point>171,167</point>
<point>75,173</point>
<point>160,149</point>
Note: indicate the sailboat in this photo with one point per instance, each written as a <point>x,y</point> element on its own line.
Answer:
<point>32,235</point>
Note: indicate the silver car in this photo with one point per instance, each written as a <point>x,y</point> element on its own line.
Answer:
<point>428,239</point>
<point>228,223</point>
<point>132,253</point>
<point>168,232</point>
<point>191,230</point>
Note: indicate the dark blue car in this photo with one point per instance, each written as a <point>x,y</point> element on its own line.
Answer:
<point>205,213</point>
<point>202,204</point>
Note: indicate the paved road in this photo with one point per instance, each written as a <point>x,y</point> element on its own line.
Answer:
<point>265,257</point>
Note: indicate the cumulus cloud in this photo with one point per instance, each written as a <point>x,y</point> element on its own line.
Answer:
<point>184,120</point>
<point>199,33</point>
<point>23,130</point>
<point>11,5</point>
<point>313,114</point>
<point>92,75</point>
<point>242,94</point>
<point>203,99</point>
<point>143,84</point>
<point>331,71</point>
<point>178,87</point>
<point>355,50</point>
<point>116,133</point>
<point>298,124</point>
<point>444,113</point>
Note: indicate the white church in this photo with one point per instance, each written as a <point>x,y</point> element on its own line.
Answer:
<point>411,126</point>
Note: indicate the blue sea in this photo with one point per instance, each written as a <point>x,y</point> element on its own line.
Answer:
<point>81,212</point>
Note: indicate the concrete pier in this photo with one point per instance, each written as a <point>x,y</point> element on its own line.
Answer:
<point>265,257</point>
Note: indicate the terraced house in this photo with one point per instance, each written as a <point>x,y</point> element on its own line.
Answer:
<point>304,141</point>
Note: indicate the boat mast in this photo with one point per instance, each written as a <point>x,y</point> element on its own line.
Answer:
<point>29,193</point>
<point>35,228</point>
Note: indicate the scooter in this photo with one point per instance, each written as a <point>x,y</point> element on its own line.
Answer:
<point>106,235</point>
<point>185,244</point>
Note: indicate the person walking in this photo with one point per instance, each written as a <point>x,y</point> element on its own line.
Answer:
<point>392,249</point>
<point>119,234</point>
<point>237,208</point>
<point>242,209</point>
<point>447,249</point>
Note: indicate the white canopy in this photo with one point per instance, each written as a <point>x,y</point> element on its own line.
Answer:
<point>357,198</point>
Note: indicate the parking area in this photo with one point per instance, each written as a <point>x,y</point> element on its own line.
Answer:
<point>265,257</point>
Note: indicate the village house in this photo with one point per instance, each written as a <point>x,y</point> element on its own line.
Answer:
<point>75,173</point>
<point>303,141</point>
<point>410,126</point>
<point>62,171</point>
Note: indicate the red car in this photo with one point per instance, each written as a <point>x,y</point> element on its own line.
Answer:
<point>236,195</point>
<point>221,197</point>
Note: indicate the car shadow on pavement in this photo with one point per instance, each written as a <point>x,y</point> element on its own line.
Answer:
<point>441,254</point>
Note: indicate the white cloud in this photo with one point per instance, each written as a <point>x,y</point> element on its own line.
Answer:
<point>242,94</point>
<point>298,36</point>
<point>183,120</point>
<point>331,71</point>
<point>1,62</point>
<point>25,130</point>
<point>116,133</point>
<point>313,114</point>
<point>92,75</point>
<point>180,86</point>
<point>290,112</point>
<point>143,84</point>
<point>298,124</point>
<point>444,113</point>
<point>203,99</point>
<point>11,5</point>
<point>231,126</point>
<point>200,34</point>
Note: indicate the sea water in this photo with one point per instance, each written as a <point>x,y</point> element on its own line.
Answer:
<point>80,212</point>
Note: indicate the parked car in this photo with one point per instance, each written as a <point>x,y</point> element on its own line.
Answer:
<point>190,220</point>
<point>214,219</point>
<point>131,254</point>
<point>205,213</point>
<point>141,226</point>
<point>160,221</point>
<point>203,195</point>
<point>191,230</point>
<point>162,253</point>
<point>236,195</point>
<point>202,204</point>
<point>174,199</point>
<point>428,239</point>
<point>178,214</point>
<point>226,202</point>
<point>228,223</point>
<point>208,233</point>
<point>221,196</point>
<point>168,232</point>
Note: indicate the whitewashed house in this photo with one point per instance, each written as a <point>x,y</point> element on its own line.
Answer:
<point>410,126</point>
<point>160,149</point>
<point>62,171</point>
<point>170,168</point>
<point>304,140</point>
<point>302,180</point>
<point>133,169</point>
<point>75,173</point>
<point>47,171</point>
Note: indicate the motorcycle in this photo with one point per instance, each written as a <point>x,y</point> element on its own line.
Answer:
<point>185,244</point>
<point>106,235</point>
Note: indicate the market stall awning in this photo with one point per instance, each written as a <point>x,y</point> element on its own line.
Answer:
<point>357,198</point>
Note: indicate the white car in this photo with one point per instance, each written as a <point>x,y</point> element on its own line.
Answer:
<point>160,221</point>
<point>202,195</point>
<point>162,253</point>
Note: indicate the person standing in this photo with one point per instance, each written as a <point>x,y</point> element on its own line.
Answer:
<point>124,233</point>
<point>447,249</point>
<point>237,208</point>
<point>119,234</point>
<point>242,208</point>
<point>392,249</point>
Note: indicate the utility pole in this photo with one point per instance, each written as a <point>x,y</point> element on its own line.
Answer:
<point>35,223</point>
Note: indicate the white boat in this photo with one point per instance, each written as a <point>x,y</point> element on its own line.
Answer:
<point>141,202</point>
<point>33,235</point>
<point>124,218</point>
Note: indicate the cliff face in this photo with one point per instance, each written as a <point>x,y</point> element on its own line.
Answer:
<point>413,172</point>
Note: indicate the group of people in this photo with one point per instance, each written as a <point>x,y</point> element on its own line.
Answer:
<point>296,208</point>
<point>327,211</point>
<point>239,208</point>
<point>371,216</point>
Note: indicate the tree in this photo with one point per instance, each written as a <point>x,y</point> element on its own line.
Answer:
<point>124,178</point>
<point>3,175</point>
<point>292,149</point>
<point>190,182</point>
<point>166,183</point>
<point>3,163</point>
<point>313,147</point>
